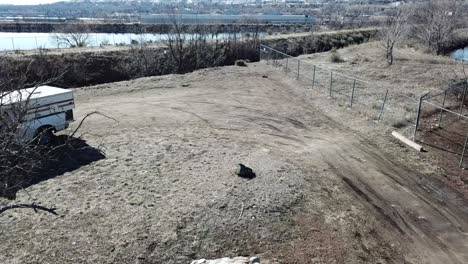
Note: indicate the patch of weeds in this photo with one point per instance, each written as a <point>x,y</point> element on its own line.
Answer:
<point>376,106</point>
<point>354,61</point>
<point>241,63</point>
<point>408,108</point>
<point>335,57</point>
<point>400,123</point>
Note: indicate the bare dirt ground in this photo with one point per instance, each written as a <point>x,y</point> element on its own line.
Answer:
<point>413,74</point>
<point>167,193</point>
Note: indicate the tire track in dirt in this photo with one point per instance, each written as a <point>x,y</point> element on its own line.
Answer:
<point>392,191</point>
<point>310,168</point>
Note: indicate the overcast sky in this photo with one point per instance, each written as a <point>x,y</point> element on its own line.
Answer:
<point>27,2</point>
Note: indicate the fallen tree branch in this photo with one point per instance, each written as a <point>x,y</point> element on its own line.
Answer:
<point>88,115</point>
<point>33,206</point>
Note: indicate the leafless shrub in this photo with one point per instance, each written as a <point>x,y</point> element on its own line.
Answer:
<point>144,60</point>
<point>335,57</point>
<point>401,123</point>
<point>72,36</point>
<point>18,160</point>
<point>392,32</point>
<point>198,46</point>
<point>176,41</point>
<point>458,84</point>
<point>435,22</point>
<point>23,163</point>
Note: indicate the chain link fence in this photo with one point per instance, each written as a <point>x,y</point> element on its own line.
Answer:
<point>444,121</point>
<point>368,99</point>
<point>433,120</point>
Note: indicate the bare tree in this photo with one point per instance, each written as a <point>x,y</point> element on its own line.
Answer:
<point>23,162</point>
<point>72,36</point>
<point>435,21</point>
<point>193,47</point>
<point>143,56</point>
<point>354,14</point>
<point>176,41</point>
<point>203,47</point>
<point>18,160</point>
<point>392,32</point>
<point>332,14</point>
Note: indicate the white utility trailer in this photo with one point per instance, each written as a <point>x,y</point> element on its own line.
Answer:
<point>50,109</point>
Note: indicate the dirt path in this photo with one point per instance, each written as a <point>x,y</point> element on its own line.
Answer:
<point>167,193</point>
<point>426,213</point>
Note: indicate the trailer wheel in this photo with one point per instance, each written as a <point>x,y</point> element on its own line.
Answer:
<point>45,135</point>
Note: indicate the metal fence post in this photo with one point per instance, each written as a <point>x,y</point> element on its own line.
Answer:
<point>270,57</point>
<point>275,60</point>
<point>418,115</point>
<point>37,46</point>
<point>463,100</point>
<point>383,105</point>
<point>331,83</point>
<point>298,68</point>
<point>352,93</point>
<point>13,43</point>
<point>313,78</point>
<point>260,54</point>
<point>442,109</point>
<point>286,70</point>
<point>463,152</point>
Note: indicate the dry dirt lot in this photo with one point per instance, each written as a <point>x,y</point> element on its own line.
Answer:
<point>413,74</point>
<point>167,193</point>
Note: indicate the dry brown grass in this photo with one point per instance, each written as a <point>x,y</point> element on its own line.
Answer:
<point>413,72</point>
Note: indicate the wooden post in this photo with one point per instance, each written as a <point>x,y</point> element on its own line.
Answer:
<point>463,152</point>
<point>383,105</point>
<point>352,93</point>
<point>331,83</point>
<point>313,78</point>
<point>441,110</point>
<point>407,141</point>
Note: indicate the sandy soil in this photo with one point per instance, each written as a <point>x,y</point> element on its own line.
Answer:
<point>167,193</point>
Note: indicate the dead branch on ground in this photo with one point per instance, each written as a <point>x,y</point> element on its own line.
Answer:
<point>33,206</point>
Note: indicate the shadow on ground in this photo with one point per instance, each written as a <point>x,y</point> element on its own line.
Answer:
<point>67,154</point>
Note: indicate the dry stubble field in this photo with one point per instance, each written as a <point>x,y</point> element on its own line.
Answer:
<point>167,193</point>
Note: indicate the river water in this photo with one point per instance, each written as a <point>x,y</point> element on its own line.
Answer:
<point>460,54</point>
<point>29,41</point>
